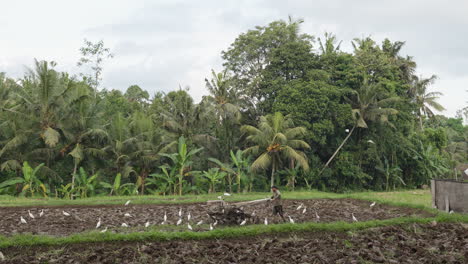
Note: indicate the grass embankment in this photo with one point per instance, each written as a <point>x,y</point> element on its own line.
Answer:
<point>227,232</point>
<point>415,198</point>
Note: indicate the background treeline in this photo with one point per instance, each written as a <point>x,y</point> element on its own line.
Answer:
<point>288,108</point>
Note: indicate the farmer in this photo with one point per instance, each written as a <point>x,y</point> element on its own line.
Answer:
<point>276,202</point>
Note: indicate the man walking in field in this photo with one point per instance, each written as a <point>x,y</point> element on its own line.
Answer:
<point>276,202</point>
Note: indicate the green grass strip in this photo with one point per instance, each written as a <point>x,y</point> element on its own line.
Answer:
<point>228,232</point>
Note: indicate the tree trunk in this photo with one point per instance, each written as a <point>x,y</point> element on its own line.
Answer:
<point>420,122</point>
<point>272,175</point>
<point>73,176</point>
<point>238,181</point>
<point>338,149</point>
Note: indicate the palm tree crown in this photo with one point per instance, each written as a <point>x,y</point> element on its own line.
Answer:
<point>275,140</point>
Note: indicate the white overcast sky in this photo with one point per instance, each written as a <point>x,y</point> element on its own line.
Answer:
<point>161,44</point>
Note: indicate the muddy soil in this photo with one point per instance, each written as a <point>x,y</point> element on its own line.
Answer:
<point>413,243</point>
<point>84,218</point>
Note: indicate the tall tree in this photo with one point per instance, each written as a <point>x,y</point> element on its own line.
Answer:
<point>94,55</point>
<point>368,105</point>
<point>424,99</point>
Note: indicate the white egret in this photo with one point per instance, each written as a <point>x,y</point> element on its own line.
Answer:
<point>189,227</point>
<point>227,194</point>
<point>243,222</point>
<point>163,222</point>
<point>451,212</point>
<point>347,130</point>
<point>215,223</point>
<point>200,222</point>
<point>253,213</point>
<point>41,213</point>
<point>266,221</point>
<point>98,223</point>
<point>220,197</point>
<point>291,220</point>
<point>189,216</point>
<point>22,220</point>
<point>30,215</point>
<point>65,213</point>
<point>127,215</point>
<point>317,216</point>
<point>104,230</point>
<point>165,217</point>
<point>222,211</point>
<point>211,227</point>
<point>179,221</point>
<point>354,218</point>
<point>372,204</point>
<point>127,203</point>
<point>180,212</point>
<point>299,207</point>
<point>147,224</point>
<point>2,257</point>
<point>370,141</point>
<point>124,225</point>
<point>304,210</point>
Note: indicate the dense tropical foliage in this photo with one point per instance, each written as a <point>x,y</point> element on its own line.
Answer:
<point>288,109</point>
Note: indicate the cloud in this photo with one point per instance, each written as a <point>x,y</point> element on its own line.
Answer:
<point>161,44</point>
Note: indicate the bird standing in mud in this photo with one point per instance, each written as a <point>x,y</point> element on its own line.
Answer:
<point>317,216</point>
<point>22,220</point>
<point>179,221</point>
<point>147,224</point>
<point>266,221</point>
<point>189,227</point>
<point>104,230</point>
<point>65,213</point>
<point>243,222</point>
<point>211,227</point>
<point>124,225</point>
<point>41,213</point>
<point>189,216</point>
<point>372,205</point>
<point>291,220</point>
<point>354,218</point>
<point>299,207</point>
<point>200,222</point>
<point>30,214</point>
<point>304,210</point>
<point>98,223</point>
<point>180,212</point>
<point>127,203</point>
<point>127,215</point>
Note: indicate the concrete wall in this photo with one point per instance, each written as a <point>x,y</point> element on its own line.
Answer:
<point>450,195</point>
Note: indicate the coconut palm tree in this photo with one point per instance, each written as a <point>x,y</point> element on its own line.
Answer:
<point>423,99</point>
<point>226,102</point>
<point>367,106</point>
<point>276,140</point>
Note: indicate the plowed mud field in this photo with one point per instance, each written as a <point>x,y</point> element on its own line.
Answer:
<point>84,218</point>
<point>412,243</point>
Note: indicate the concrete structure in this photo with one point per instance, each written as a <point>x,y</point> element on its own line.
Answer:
<point>450,195</point>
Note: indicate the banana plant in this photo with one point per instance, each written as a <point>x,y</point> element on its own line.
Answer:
<point>30,182</point>
<point>85,184</point>
<point>214,176</point>
<point>117,188</point>
<point>168,179</point>
<point>182,161</point>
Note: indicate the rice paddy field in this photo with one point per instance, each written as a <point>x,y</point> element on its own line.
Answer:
<point>370,227</point>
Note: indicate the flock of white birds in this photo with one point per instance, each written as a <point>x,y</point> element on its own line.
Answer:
<point>181,216</point>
